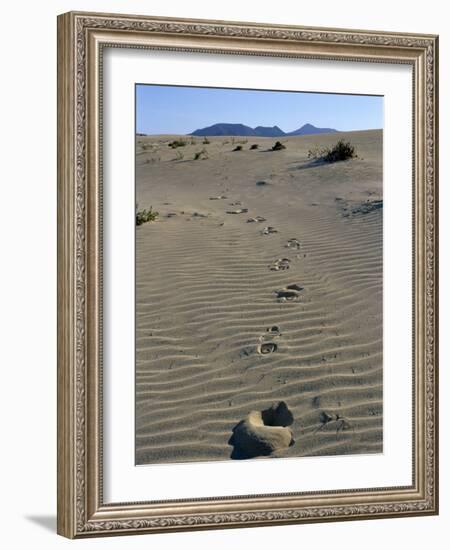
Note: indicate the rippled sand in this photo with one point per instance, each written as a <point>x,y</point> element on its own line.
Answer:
<point>205,296</point>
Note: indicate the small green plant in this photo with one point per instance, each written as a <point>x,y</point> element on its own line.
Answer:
<point>342,150</point>
<point>278,146</point>
<point>203,154</point>
<point>177,143</point>
<point>206,141</point>
<point>254,146</point>
<point>238,148</point>
<point>178,155</point>
<point>143,216</point>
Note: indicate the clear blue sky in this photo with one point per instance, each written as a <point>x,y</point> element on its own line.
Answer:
<point>181,110</point>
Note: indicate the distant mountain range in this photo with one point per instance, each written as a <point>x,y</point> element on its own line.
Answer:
<point>226,129</point>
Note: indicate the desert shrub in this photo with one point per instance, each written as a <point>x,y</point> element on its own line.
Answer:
<point>278,146</point>
<point>203,154</point>
<point>178,155</point>
<point>342,150</point>
<point>316,153</point>
<point>206,141</point>
<point>177,143</point>
<point>143,216</point>
<point>238,148</point>
<point>254,146</point>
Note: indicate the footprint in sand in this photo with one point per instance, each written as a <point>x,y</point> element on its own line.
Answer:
<point>286,295</point>
<point>264,348</point>
<point>266,344</point>
<point>238,211</point>
<point>341,423</point>
<point>274,331</point>
<point>281,264</point>
<point>293,243</point>
<point>269,230</point>
<point>290,293</point>
<point>257,219</point>
<point>295,286</point>
<point>262,433</point>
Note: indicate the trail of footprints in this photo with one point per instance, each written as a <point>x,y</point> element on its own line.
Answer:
<point>266,344</point>
<point>289,293</point>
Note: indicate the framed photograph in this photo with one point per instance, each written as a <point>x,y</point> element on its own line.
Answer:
<point>247,276</point>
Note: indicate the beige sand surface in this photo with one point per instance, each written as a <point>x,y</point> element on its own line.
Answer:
<point>205,296</point>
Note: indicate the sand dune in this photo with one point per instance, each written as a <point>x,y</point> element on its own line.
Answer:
<point>206,296</point>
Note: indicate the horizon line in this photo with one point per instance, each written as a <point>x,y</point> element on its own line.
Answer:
<point>260,137</point>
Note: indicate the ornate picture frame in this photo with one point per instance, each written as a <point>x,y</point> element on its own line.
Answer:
<point>82,38</point>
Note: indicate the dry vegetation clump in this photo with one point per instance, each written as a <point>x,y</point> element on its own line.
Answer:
<point>254,146</point>
<point>143,216</point>
<point>278,146</point>
<point>201,155</point>
<point>343,150</point>
<point>177,143</point>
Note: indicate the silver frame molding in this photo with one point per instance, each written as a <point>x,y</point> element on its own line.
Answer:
<point>81,39</point>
